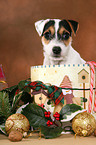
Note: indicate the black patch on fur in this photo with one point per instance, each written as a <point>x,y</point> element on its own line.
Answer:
<point>64,36</point>
<point>66,25</point>
<point>47,25</point>
<point>48,35</point>
<point>74,25</point>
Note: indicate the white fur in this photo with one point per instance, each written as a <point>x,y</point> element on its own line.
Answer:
<point>68,54</point>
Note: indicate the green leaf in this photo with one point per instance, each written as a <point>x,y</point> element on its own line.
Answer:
<point>2,129</point>
<point>4,105</point>
<point>11,92</point>
<point>10,89</point>
<point>22,84</point>
<point>35,115</point>
<point>15,103</point>
<point>51,132</point>
<point>69,109</point>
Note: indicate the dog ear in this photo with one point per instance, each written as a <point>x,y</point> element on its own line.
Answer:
<point>74,25</point>
<point>39,25</point>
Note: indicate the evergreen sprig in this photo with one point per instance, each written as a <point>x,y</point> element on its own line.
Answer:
<point>4,105</point>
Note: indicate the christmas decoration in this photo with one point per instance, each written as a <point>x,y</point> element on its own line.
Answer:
<point>3,83</point>
<point>57,116</point>
<point>77,82</point>
<point>15,136</point>
<point>93,66</point>
<point>47,114</point>
<point>83,124</point>
<point>38,117</point>
<point>68,94</point>
<point>17,122</point>
<point>50,124</point>
<point>95,132</point>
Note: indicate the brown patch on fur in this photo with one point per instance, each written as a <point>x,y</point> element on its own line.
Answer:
<point>72,28</point>
<point>62,29</point>
<point>52,30</point>
<point>45,40</point>
<point>66,42</point>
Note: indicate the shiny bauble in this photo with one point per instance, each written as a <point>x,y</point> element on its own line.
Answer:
<point>83,124</point>
<point>17,122</point>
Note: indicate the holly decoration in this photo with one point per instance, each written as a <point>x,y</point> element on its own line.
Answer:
<point>14,97</point>
<point>57,116</point>
<point>47,114</point>
<point>49,123</point>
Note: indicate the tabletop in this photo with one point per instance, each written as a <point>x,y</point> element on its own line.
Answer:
<point>68,139</point>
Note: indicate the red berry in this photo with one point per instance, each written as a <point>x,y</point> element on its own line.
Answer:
<point>51,123</point>
<point>48,122</point>
<point>58,115</point>
<point>45,113</point>
<point>49,112</point>
<point>57,118</point>
<point>54,115</point>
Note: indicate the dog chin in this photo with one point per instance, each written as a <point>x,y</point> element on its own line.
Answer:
<point>56,58</point>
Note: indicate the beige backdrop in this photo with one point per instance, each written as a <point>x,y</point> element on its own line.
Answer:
<point>20,45</point>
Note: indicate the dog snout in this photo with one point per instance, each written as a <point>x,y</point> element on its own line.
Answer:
<point>56,50</point>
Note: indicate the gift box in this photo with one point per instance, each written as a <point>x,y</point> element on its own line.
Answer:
<point>3,83</point>
<point>77,82</point>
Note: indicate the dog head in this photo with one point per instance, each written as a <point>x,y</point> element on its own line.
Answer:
<point>56,36</point>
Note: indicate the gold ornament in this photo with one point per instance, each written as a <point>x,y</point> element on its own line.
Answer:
<point>17,122</point>
<point>83,124</point>
<point>95,132</point>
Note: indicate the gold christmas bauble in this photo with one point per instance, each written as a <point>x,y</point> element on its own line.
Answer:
<point>17,122</point>
<point>83,124</point>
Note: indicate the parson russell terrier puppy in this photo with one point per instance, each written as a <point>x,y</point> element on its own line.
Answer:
<point>56,37</point>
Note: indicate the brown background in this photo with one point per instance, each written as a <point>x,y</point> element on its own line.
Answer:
<point>20,45</point>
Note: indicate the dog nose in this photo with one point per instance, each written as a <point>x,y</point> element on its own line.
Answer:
<point>56,50</point>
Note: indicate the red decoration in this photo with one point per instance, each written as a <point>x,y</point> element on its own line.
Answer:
<point>49,123</point>
<point>47,114</point>
<point>93,66</point>
<point>42,105</point>
<point>57,116</point>
<point>2,76</point>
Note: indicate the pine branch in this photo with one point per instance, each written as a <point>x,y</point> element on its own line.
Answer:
<point>4,105</point>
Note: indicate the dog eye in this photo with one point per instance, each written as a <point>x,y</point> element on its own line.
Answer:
<point>48,35</point>
<point>65,36</point>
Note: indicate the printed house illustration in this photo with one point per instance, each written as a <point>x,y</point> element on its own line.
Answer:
<point>69,98</point>
<point>83,77</point>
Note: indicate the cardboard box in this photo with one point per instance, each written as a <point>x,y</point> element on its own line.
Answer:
<point>75,77</point>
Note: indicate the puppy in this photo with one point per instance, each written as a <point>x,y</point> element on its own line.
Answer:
<point>56,37</point>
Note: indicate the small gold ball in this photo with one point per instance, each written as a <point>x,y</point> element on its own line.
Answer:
<point>15,136</point>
